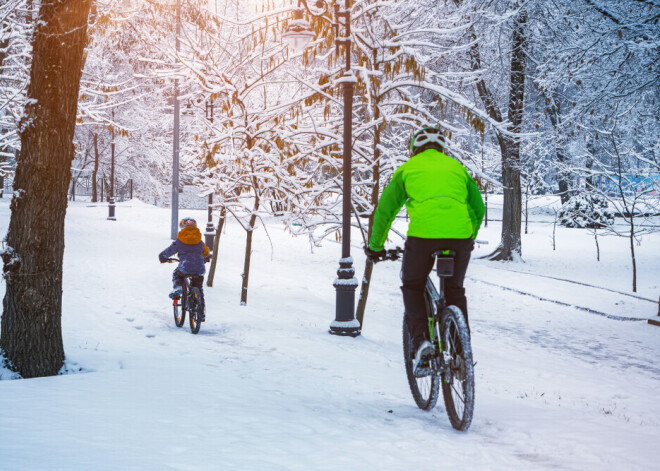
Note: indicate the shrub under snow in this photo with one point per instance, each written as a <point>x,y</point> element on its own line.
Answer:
<point>586,210</point>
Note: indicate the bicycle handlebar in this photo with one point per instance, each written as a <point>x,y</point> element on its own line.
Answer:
<point>176,260</point>
<point>389,254</point>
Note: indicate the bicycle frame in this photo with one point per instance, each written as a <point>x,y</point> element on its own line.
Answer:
<point>435,301</point>
<point>444,267</point>
<point>187,290</point>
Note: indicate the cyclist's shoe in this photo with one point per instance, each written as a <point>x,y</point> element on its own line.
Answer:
<point>422,360</point>
<point>176,293</point>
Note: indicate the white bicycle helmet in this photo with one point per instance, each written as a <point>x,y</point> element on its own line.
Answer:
<point>425,136</point>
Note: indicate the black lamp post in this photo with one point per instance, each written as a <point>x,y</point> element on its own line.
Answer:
<point>175,146</point>
<point>209,234</point>
<point>111,200</point>
<point>298,35</point>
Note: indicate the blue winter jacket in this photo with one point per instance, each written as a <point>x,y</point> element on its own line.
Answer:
<point>192,251</point>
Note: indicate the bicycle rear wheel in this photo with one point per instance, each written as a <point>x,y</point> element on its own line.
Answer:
<point>458,375</point>
<point>179,313</point>
<point>194,303</point>
<point>425,390</point>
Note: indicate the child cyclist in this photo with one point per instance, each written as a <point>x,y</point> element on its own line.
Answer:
<point>192,255</point>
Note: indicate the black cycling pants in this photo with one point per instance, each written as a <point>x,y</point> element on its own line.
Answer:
<point>417,264</point>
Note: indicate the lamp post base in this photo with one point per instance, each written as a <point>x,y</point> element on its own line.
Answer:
<point>111,210</point>
<point>209,235</point>
<point>345,329</point>
<point>345,284</point>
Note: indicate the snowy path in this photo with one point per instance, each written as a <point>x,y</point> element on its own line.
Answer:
<point>601,301</point>
<point>264,387</point>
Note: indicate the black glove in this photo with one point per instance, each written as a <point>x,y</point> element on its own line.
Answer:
<point>207,259</point>
<point>373,255</point>
<point>162,258</point>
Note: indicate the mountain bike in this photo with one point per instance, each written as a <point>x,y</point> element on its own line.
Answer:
<point>451,364</point>
<point>191,301</point>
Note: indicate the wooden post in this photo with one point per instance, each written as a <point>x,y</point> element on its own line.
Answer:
<point>216,244</point>
<point>656,321</point>
<point>486,205</point>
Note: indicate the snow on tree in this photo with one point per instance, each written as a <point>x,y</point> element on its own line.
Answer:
<point>245,153</point>
<point>124,101</point>
<point>593,59</point>
<point>16,24</point>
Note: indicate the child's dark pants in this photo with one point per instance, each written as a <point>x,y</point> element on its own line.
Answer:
<point>196,281</point>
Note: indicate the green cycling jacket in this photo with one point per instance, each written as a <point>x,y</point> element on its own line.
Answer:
<point>442,200</point>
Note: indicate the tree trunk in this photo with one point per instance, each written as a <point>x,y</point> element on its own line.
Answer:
<point>590,180</point>
<point>526,209</point>
<point>563,172</point>
<point>248,255</point>
<point>364,291</point>
<point>375,193</point>
<point>31,323</point>
<point>95,172</point>
<point>216,247</point>
<point>486,205</point>
<point>554,231</point>
<point>632,253</point>
<point>510,246</point>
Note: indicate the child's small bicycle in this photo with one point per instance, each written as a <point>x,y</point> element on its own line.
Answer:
<point>191,301</point>
<point>452,362</point>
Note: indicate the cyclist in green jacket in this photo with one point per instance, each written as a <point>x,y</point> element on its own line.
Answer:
<point>445,209</point>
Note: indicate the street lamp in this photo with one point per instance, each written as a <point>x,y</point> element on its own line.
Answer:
<point>209,235</point>
<point>111,200</point>
<point>298,34</point>
<point>175,146</point>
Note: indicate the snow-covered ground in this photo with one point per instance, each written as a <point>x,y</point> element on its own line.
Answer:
<point>264,387</point>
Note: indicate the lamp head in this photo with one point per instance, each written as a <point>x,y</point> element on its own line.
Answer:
<point>299,32</point>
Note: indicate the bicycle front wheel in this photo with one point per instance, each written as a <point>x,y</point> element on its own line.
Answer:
<point>458,374</point>
<point>425,390</point>
<point>194,302</point>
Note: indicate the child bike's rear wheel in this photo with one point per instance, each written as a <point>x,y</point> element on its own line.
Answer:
<point>425,390</point>
<point>458,375</point>
<point>195,314</point>
<point>179,313</point>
